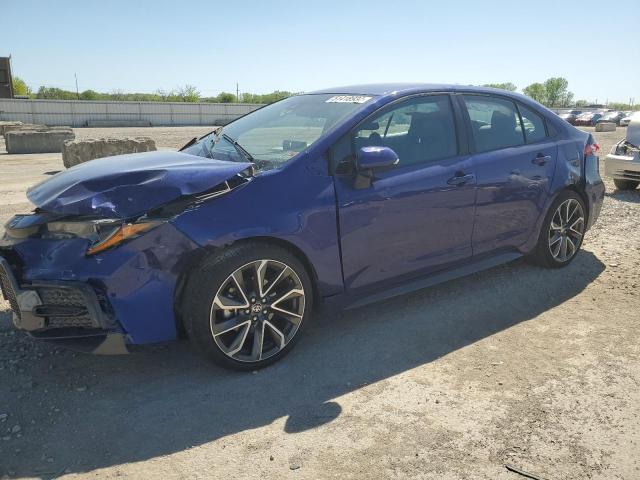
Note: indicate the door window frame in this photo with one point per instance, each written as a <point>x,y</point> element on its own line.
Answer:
<point>461,135</point>
<point>459,100</point>
<point>544,123</point>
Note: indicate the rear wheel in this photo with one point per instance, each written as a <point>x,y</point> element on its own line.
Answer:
<point>562,232</point>
<point>247,306</point>
<point>625,184</point>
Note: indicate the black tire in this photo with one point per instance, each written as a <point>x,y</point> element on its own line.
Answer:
<point>209,277</point>
<point>625,184</point>
<point>542,255</point>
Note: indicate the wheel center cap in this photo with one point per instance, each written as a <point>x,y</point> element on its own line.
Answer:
<point>256,308</point>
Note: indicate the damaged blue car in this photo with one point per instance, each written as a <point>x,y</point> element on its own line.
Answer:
<point>344,197</point>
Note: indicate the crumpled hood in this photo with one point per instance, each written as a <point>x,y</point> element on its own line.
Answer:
<point>128,185</point>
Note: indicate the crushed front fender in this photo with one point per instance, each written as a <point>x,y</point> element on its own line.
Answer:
<point>135,281</point>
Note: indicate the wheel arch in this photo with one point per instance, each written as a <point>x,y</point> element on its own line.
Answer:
<point>573,187</point>
<point>579,189</point>
<point>187,263</point>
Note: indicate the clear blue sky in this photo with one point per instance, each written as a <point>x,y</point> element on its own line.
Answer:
<point>304,45</point>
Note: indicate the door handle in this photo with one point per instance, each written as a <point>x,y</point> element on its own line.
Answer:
<point>461,179</point>
<point>541,159</point>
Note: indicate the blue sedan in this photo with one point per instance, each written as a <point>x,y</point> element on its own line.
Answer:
<point>343,196</point>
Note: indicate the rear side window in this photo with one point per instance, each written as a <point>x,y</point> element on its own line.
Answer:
<point>495,122</point>
<point>534,128</point>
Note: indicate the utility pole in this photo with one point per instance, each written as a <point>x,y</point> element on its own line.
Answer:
<point>237,93</point>
<point>11,92</point>
<point>77,91</point>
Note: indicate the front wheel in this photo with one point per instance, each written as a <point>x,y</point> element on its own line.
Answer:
<point>562,231</point>
<point>246,306</point>
<point>622,184</point>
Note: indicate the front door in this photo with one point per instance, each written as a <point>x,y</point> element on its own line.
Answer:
<point>416,217</point>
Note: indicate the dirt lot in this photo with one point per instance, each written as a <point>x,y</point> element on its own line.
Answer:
<point>517,365</point>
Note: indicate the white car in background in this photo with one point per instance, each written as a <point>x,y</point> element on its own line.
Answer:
<point>624,122</point>
<point>623,163</point>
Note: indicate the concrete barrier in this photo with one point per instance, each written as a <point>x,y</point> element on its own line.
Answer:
<point>4,125</point>
<point>37,141</point>
<point>605,127</point>
<point>25,126</point>
<point>75,152</point>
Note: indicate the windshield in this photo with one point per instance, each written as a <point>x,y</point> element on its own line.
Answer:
<point>272,135</point>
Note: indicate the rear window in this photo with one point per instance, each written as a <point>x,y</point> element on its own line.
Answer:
<point>495,122</point>
<point>534,125</point>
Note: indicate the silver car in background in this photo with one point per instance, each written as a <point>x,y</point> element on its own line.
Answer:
<point>623,163</point>
<point>624,122</point>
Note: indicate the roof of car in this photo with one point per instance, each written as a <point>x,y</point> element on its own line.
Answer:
<point>392,88</point>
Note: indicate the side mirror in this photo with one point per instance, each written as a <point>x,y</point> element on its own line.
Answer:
<point>371,159</point>
<point>375,158</point>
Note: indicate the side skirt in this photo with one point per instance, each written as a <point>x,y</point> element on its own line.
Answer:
<point>347,302</point>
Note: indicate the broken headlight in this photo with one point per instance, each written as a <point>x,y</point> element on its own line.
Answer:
<point>102,234</point>
<point>124,231</point>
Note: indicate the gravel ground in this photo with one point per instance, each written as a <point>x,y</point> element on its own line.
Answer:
<point>516,365</point>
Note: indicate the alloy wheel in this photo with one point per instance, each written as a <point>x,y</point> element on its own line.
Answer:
<point>257,310</point>
<point>566,230</point>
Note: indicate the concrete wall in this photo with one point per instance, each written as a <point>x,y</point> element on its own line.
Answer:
<point>81,113</point>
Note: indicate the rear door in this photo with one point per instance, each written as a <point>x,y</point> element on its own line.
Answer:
<point>514,159</point>
<point>416,217</point>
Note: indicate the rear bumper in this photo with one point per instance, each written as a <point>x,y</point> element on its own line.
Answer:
<point>594,188</point>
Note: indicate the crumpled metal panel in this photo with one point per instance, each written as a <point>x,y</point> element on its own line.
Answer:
<point>125,186</point>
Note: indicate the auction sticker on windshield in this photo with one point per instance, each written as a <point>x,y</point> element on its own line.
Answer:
<point>348,99</point>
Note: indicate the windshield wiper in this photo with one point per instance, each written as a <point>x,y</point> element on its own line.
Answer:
<point>238,148</point>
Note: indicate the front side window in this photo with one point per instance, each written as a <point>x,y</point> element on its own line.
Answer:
<point>419,130</point>
<point>271,136</point>
<point>533,124</point>
<point>495,122</point>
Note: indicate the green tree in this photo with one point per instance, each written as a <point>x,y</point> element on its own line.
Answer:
<point>619,106</point>
<point>89,95</point>
<point>20,87</point>
<point>53,93</point>
<point>581,103</point>
<point>266,97</point>
<point>536,91</point>
<point>117,94</point>
<point>226,97</point>
<point>502,86</point>
<point>162,94</point>
<point>567,100</point>
<point>557,93</point>
<point>188,93</point>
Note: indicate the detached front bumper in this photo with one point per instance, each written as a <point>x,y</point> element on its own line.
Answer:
<point>69,313</point>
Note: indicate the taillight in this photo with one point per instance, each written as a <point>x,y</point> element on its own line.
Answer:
<point>591,149</point>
